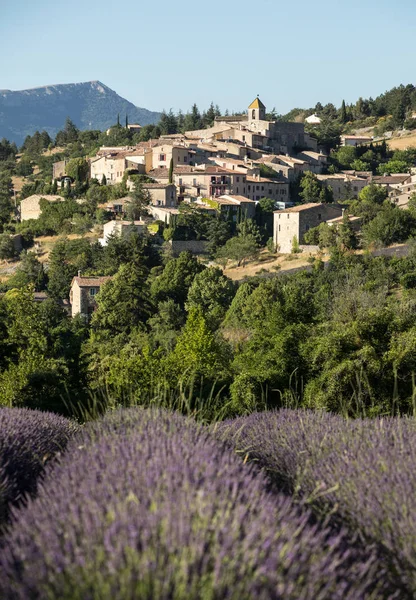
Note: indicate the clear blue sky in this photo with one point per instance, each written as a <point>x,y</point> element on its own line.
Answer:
<point>162,54</point>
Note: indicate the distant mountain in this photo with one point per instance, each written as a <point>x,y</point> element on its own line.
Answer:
<point>90,105</point>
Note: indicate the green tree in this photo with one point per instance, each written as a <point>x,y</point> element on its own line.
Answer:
<point>239,249</point>
<point>7,248</point>
<point>176,279</point>
<point>29,272</point>
<point>139,201</point>
<point>123,302</point>
<point>78,169</point>
<point>213,293</point>
<point>310,187</point>
<point>343,113</point>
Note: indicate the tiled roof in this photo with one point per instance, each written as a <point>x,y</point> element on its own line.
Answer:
<point>399,178</point>
<point>160,173</point>
<point>90,281</point>
<point>147,186</point>
<point>48,197</point>
<point>300,207</point>
<point>264,180</point>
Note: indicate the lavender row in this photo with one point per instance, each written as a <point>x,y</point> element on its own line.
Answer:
<point>150,505</point>
<point>28,440</point>
<point>362,472</point>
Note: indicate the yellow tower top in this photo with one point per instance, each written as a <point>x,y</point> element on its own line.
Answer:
<point>257,103</point>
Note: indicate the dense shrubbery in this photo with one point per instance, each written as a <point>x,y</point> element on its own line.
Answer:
<point>361,472</point>
<point>149,505</point>
<point>28,441</point>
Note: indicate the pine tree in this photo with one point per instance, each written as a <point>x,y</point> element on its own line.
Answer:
<point>127,122</point>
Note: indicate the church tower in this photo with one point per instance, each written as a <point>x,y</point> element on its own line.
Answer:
<point>257,110</point>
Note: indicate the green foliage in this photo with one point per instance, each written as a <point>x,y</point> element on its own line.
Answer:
<point>176,279</point>
<point>393,166</point>
<point>7,248</point>
<point>311,187</point>
<point>240,249</point>
<point>212,292</point>
<point>78,169</point>
<point>123,302</point>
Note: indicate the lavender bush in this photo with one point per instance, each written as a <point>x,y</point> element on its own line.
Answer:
<point>149,505</point>
<point>28,440</point>
<point>362,472</point>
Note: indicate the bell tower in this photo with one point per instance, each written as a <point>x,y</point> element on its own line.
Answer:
<point>257,110</point>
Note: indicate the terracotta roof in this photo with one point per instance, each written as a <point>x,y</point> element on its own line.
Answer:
<point>90,281</point>
<point>257,103</point>
<point>234,199</point>
<point>301,207</point>
<point>160,172</point>
<point>399,178</point>
<point>264,180</point>
<point>48,197</point>
<point>155,185</point>
<point>208,170</point>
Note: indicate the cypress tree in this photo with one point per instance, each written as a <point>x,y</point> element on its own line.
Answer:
<point>171,171</point>
<point>344,117</point>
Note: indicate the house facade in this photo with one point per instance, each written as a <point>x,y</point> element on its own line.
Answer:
<point>82,296</point>
<point>121,228</point>
<point>294,222</point>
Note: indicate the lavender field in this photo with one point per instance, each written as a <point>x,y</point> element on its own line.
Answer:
<point>150,504</point>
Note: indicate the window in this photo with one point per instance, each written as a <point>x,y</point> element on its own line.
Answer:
<point>257,187</point>
<point>238,179</point>
<point>93,291</point>
<point>270,192</point>
<point>253,114</point>
<point>319,216</point>
<point>185,159</point>
<point>179,159</point>
<point>279,225</point>
<point>162,157</point>
<point>244,138</point>
<point>262,188</point>
<point>288,215</point>
<point>249,188</point>
<point>237,191</point>
<point>244,179</point>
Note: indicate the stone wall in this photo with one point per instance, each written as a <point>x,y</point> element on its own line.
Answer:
<point>194,246</point>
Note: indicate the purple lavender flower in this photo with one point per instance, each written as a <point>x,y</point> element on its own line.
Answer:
<point>28,440</point>
<point>146,504</point>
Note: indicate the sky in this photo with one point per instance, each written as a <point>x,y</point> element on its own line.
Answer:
<point>161,54</point>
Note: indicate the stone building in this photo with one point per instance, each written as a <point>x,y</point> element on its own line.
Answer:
<point>121,228</point>
<point>30,206</point>
<point>294,222</point>
<point>83,293</point>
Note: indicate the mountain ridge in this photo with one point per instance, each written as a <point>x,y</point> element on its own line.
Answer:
<point>89,104</point>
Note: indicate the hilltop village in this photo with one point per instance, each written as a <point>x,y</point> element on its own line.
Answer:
<point>227,169</point>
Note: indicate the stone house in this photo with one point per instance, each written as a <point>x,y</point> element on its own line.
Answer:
<point>161,194</point>
<point>208,181</point>
<point>114,164</point>
<point>355,140</point>
<point>30,206</point>
<point>296,221</point>
<point>121,228</point>
<point>264,187</point>
<point>163,154</point>
<point>344,187</point>
<point>83,293</point>
<point>59,170</point>
<point>235,208</point>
